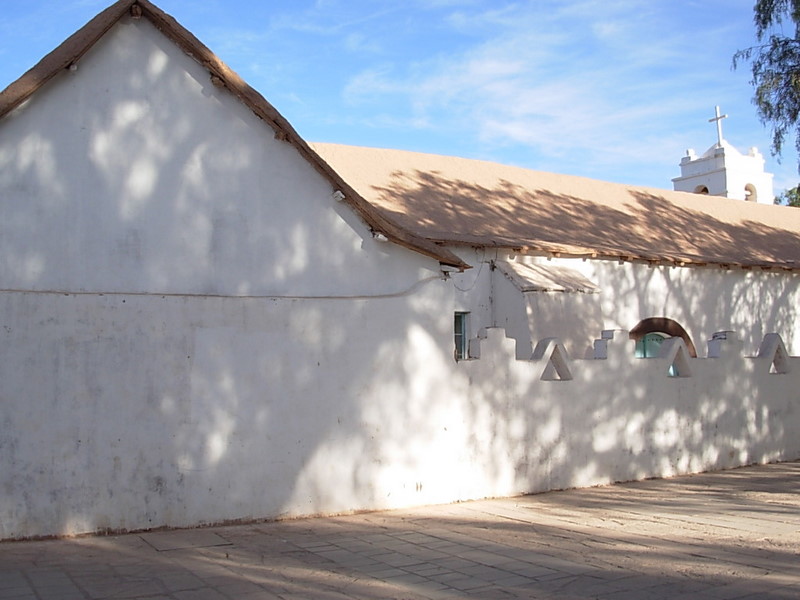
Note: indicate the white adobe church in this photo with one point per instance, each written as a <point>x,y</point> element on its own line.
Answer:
<point>723,171</point>
<point>206,319</point>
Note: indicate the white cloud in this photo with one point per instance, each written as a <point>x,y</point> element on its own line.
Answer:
<point>596,79</point>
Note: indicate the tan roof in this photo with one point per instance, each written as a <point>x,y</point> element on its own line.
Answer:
<point>457,201</point>
<point>74,47</point>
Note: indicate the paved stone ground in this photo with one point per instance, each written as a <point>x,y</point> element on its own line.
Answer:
<point>718,536</point>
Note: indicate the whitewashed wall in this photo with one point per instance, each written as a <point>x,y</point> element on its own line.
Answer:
<point>137,411</point>
<point>130,411</point>
<point>703,300</point>
<point>193,331</point>
<point>134,173</point>
<point>620,418</point>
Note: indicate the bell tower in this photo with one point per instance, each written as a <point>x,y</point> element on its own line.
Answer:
<point>723,171</point>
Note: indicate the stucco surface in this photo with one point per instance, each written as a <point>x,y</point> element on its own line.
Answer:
<point>129,412</point>
<point>158,181</point>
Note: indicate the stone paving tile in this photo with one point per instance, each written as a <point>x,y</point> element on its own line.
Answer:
<point>733,535</point>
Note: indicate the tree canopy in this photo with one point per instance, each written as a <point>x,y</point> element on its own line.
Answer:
<point>790,197</point>
<point>775,67</point>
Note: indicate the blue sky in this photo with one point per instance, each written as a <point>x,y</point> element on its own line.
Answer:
<point>609,89</point>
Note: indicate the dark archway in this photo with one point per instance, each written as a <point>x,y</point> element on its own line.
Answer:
<point>666,326</point>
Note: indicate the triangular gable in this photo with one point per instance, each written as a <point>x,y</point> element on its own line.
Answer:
<point>675,354</point>
<point>554,359</point>
<point>772,352</point>
<point>73,48</point>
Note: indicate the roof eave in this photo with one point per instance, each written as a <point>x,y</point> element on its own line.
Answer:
<point>66,54</point>
<point>559,251</point>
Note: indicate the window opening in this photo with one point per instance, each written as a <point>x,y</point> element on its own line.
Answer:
<point>772,348</point>
<point>461,335</point>
<point>650,334</point>
<point>649,345</point>
<point>666,327</point>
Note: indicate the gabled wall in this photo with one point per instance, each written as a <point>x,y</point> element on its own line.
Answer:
<point>183,302</point>
<point>134,173</point>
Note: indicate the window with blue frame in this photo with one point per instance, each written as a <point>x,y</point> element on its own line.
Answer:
<point>650,333</point>
<point>663,328</point>
<point>461,335</point>
<point>649,344</point>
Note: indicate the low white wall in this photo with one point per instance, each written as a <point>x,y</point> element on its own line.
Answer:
<point>623,418</point>
<point>125,412</point>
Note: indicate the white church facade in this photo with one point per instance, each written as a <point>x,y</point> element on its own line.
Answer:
<point>724,171</point>
<point>206,319</point>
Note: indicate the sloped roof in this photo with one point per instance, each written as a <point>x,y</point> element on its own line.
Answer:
<point>74,47</point>
<point>457,201</point>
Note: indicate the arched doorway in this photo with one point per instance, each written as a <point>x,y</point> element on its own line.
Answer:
<point>649,344</point>
<point>651,332</point>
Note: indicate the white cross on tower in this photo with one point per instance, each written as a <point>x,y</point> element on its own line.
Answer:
<point>718,119</point>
